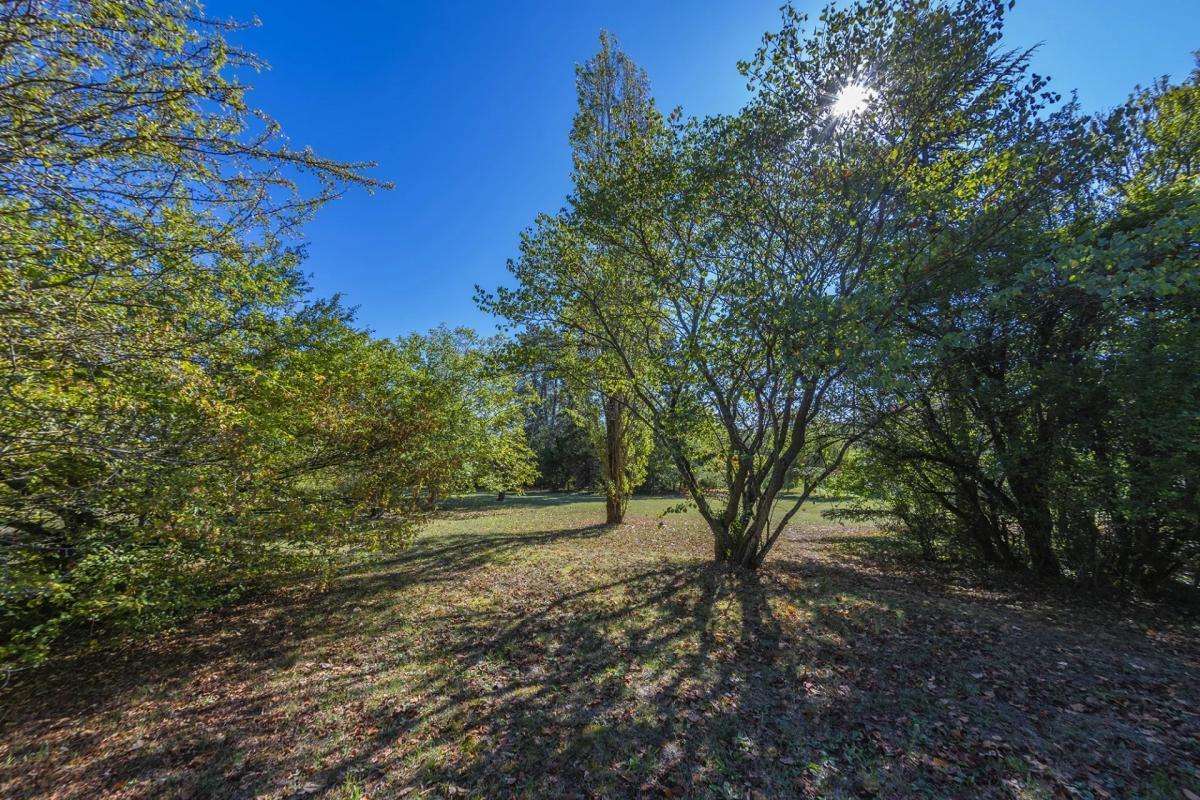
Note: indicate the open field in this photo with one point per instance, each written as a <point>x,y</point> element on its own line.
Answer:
<point>521,650</point>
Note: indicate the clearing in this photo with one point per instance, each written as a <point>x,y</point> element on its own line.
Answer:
<point>521,650</point>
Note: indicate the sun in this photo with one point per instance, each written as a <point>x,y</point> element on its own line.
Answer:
<point>852,100</point>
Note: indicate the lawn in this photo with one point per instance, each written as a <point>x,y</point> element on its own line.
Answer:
<point>522,650</point>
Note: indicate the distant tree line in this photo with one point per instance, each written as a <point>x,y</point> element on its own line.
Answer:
<point>564,429</point>
<point>908,266</point>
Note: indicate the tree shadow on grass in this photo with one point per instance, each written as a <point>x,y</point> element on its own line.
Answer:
<point>648,677</point>
<point>486,504</point>
<point>242,642</point>
<point>809,679</point>
<point>947,571</point>
<point>620,688</point>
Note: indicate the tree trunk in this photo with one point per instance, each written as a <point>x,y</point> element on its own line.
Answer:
<point>742,536</point>
<point>615,499</point>
<point>614,510</point>
<point>1037,525</point>
<point>745,554</point>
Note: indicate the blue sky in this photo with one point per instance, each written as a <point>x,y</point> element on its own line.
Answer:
<point>466,107</point>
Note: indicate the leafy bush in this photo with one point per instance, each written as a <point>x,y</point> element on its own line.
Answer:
<point>178,422</point>
<point>1051,422</point>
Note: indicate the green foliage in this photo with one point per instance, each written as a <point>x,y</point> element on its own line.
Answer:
<point>974,307</point>
<point>760,261</point>
<point>586,281</point>
<point>662,476</point>
<point>1052,421</point>
<point>985,297</point>
<point>565,459</point>
<point>479,418</point>
<point>178,423</point>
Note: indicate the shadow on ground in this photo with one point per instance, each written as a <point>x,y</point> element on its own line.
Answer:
<point>477,505</point>
<point>616,662</point>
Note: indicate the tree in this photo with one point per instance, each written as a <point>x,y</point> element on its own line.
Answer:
<point>1144,267</point>
<point>481,442</point>
<point>144,225</point>
<point>178,420</point>
<point>766,256</point>
<point>615,110</point>
<point>565,457</point>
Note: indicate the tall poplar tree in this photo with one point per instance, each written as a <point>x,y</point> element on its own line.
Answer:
<point>594,281</point>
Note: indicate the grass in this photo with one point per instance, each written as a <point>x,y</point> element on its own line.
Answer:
<point>522,650</point>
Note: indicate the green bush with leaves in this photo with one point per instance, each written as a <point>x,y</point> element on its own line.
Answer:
<point>1051,423</point>
<point>178,421</point>
<point>480,419</point>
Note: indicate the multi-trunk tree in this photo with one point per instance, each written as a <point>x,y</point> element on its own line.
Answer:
<point>764,258</point>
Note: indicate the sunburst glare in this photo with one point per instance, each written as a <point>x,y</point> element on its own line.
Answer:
<point>852,100</point>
